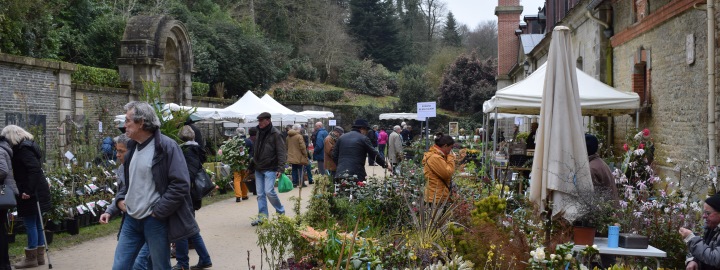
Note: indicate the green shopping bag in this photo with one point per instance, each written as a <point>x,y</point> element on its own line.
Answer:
<point>284,184</point>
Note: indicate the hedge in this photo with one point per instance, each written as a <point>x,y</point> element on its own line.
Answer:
<point>200,89</point>
<point>96,76</point>
<point>306,95</point>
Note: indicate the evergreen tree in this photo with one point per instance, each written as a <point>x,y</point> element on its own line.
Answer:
<point>451,37</point>
<point>374,26</point>
<point>414,88</point>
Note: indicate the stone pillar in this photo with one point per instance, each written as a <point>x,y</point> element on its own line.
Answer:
<point>65,102</point>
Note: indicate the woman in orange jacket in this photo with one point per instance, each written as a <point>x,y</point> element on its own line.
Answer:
<point>439,166</point>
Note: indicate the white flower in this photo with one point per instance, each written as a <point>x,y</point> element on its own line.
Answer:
<point>568,257</point>
<point>639,152</point>
<point>669,160</point>
<point>583,267</point>
<point>539,254</point>
<point>638,136</point>
<point>594,246</point>
<point>553,256</point>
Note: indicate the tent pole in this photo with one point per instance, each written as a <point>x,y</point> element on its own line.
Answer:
<point>637,119</point>
<point>495,142</point>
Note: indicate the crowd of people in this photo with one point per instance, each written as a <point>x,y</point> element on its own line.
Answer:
<point>155,175</point>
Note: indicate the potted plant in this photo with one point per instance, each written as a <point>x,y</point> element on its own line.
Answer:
<point>234,154</point>
<point>596,211</point>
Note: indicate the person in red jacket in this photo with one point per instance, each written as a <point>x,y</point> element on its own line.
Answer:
<point>382,142</point>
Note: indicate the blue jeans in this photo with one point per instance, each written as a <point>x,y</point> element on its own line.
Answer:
<point>143,261</point>
<point>181,251</point>
<point>35,237</point>
<point>381,149</point>
<point>265,184</point>
<point>308,171</point>
<point>296,174</point>
<point>138,232</point>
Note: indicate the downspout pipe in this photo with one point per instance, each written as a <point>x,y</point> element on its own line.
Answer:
<point>711,80</point>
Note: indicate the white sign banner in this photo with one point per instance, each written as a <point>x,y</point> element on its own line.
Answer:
<point>332,123</point>
<point>426,109</point>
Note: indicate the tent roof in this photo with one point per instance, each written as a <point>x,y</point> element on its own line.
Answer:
<point>317,114</point>
<point>287,114</point>
<point>251,106</point>
<point>596,97</point>
<point>402,116</point>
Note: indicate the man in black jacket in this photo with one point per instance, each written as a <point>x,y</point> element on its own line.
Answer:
<point>269,157</point>
<point>372,136</point>
<point>350,152</point>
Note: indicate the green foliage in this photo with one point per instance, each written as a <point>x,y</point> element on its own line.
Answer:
<point>170,121</point>
<point>467,84</point>
<point>301,68</point>
<point>234,154</point>
<point>438,64</point>
<point>96,76</point>
<point>366,77</point>
<point>200,89</point>
<point>307,95</point>
<point>28,28</point>
<point>414,88</point>
<point>274,238</point>
<point>450,34</point>
<point>373,24</point>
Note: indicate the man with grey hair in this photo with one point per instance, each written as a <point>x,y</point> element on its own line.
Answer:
<point>395,148</point>
<point>155,192</point>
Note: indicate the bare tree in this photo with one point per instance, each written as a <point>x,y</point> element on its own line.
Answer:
<point>434,11</point>
<point>483,40</point>
<point>328,43</point>
<point>124,7</point>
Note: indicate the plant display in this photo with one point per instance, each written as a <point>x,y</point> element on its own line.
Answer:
<point>233,153</point>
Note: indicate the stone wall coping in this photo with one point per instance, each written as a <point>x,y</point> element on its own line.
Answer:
<point>103,89</point>
<point>36,63</point>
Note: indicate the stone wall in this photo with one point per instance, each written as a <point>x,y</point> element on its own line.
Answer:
<point>677,117</point>
<point>32,93</point>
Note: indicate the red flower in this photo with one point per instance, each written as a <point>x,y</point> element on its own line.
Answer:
<point>646,132</point>
<point>360,184</point>
<point>641,146</point>
<point>626,147</point>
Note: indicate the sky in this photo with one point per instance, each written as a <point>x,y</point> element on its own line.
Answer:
<point>472,12</point>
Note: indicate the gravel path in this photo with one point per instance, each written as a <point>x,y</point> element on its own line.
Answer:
<point>225,228</point>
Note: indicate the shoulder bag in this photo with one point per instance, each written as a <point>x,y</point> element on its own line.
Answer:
<point>7,197</point>
<point>203,185</point>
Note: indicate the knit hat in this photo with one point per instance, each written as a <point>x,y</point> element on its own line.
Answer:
<point>714,202</point>
<point>339,130</point>
<point>591,142</point>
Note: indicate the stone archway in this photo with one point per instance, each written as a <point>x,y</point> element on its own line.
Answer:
<point>157,48</point>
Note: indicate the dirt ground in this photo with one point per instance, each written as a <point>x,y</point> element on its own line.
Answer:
<point>225,228</point>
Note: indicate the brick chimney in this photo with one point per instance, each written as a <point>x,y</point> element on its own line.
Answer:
<point>508,13</point>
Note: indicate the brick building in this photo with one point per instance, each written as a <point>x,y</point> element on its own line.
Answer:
<point>656,48</point>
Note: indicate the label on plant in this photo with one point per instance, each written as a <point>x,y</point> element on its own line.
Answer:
<point>110,190</point>
<point>93,187</point>
<point>79,209</point>
<point>91,205</point>
<point>102,203</point>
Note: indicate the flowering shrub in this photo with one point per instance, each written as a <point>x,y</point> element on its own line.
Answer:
<point>638,159</point>
<point>562,258</point>
<point>233,153</point>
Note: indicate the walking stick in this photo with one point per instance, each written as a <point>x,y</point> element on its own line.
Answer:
<point>42,227</point>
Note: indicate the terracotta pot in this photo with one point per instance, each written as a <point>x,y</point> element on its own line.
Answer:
<point>583,235</point>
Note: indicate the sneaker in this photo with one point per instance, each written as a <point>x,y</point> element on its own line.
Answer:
<point>198,266</point>
<point>304,185</point>
<point>178,267</point>
<point>256,222</point>
<point>245,198</point>
<point>239,199</point>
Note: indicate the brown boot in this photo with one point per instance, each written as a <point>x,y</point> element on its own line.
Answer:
<point>30,260</point>
<point>41,255</point>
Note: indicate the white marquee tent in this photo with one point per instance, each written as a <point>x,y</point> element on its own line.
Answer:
<point>251,106</point>
<point>596,98</point>
<point>288,115</point>
<point>317,114</point>
<point>399,116</point>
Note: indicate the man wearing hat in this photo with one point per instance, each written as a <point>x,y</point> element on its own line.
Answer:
<point>269,156</point>
<point>703,251</point>
<point>350,152</point>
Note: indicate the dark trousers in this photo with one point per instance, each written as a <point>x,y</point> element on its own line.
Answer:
<point>371,159</point>
<point>4,257</point>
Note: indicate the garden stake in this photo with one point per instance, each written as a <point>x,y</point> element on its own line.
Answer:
<point>352,244</point>
<point>342,250</point>
<point>248,259</point>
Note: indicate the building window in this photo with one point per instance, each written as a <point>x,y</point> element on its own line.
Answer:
<point>639,83</point>
<point>579,63</point>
